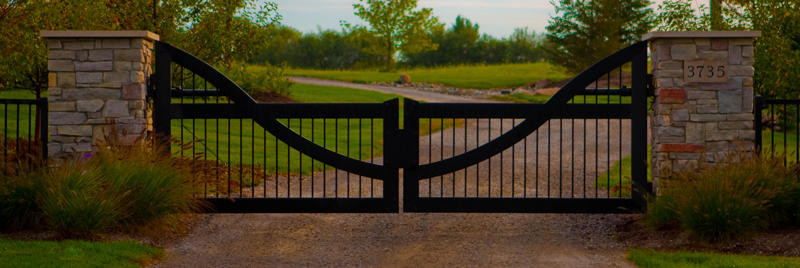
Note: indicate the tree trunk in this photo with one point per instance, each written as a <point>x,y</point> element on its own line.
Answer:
<point>716,14</point>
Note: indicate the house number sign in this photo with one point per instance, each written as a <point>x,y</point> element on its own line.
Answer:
<point>705,71</point>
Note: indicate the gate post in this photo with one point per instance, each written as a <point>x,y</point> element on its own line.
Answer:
<point>703,107</point>
<point>98,82</point>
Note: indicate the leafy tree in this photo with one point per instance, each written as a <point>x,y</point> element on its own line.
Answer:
<point>398,26</point>
<point>585,31</point>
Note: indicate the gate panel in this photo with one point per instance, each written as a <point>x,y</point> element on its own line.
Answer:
<point>567,155</point>
<point>274,157</point>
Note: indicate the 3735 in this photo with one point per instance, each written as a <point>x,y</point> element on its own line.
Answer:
<point>705,71</point>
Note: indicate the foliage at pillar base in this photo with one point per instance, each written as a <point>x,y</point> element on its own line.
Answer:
<point>747,193</point>
<point>119,188</point>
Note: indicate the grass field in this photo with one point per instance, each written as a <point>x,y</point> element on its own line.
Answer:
<point>477,77</point>
<point>72,253</point>
<point>648,258</point>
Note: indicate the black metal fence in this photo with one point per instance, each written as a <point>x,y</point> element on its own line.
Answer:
<point>21,143</point>
<point>777,122</point>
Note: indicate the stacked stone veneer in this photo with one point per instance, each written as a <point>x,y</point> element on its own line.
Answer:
<point>97,82</point>
<point>694,124</point>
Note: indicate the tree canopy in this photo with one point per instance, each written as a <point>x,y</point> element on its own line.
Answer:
<point>218,31</point>
<point>584,31</point>
<point>398,26</point>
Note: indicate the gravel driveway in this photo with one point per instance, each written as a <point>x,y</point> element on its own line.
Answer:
<point>445,239</point>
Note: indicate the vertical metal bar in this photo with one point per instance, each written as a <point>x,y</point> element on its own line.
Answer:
<point>161,115</point>
<point>312,159</point>
<point>797,134</point>
<point>288,163</point>
<point>265,162</point>
<point>359,155</point>
<point>772,129</point>
<point>300,162</point>
<point>441,154</point>
<point>430,152</point>
<point>489,176</point>
<point>513,158</point>
<point>453,127</point>
<point>347,150</point>
<point>477,165</point>
<point>241,156</point>
<point>252,157</point>
<point>758,108</point>
<point>537,164</point>
<point>501,158</point>
<point>596,143</point>
<point>560,154</point>
<point>465,151</point>
<point>411,154</point>
<point>548,158</point>
<point>391,131</point>
<point>44,110</point>
<point>336,170</point>
<point>324,166</point>
<point>639,128</point>
<point>371,153</point>
<point>785,131</point>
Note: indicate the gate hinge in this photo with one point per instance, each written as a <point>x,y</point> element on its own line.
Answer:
<point>651,88</point>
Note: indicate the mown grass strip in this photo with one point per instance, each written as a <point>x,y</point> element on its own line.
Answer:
<point>649,258</point>
<point>74,253</point>
<point>468,76</point>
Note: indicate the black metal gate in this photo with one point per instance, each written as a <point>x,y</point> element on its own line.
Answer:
<point>510,166</point>
<point>292,157</point>
<point>268,157</point>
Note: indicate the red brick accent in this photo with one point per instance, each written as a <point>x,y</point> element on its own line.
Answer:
<point>671,95</point>
<point>681,148</point>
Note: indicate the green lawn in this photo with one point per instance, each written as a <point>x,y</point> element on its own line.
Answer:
<point>71,253</point>
<point>476,76</point>
<point>648,258</point>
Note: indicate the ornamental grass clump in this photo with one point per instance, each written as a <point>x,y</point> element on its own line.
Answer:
<point>117,189</point>
<point>746,193</point>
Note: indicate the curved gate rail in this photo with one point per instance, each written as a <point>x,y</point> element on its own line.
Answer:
<point>512,167</point>
<point>274,157</point>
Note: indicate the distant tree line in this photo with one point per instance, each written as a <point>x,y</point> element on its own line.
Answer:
<point>354,48</point>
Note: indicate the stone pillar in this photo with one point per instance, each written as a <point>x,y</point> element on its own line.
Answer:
<point>97,82</point>
<point>704,98</point>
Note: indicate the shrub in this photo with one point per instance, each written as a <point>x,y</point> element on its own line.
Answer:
<point>259,78</point>
<point>75,203</point>
<point>747,193</point>
<point>119,188</point>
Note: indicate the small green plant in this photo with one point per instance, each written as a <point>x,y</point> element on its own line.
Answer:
<point>747,193</point>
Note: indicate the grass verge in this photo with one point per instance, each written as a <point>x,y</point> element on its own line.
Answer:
<point>73,253</point>
<point>476,76</point>
<point>656,259</point>
<point>617,179</point>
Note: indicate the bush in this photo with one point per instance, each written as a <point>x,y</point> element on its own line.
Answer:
<point>119,188</point>
<point>259,78</point>
<point>748,193</point>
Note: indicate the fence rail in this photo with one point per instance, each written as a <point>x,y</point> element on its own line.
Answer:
<point>21,142</point>
<point>777,122</point>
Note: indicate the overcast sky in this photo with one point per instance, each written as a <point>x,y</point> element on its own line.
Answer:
<point>498,18</point>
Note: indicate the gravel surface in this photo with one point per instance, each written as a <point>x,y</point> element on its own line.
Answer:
<point>431,239</point>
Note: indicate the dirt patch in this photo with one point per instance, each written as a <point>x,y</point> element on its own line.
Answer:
<point>635,233</point>
<point>271,97</point>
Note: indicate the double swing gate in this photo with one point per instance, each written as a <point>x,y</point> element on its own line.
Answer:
<point>581,151</point>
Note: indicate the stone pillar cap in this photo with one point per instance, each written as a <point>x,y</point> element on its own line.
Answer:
<point>701,34</point>
<point>100,34</point>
